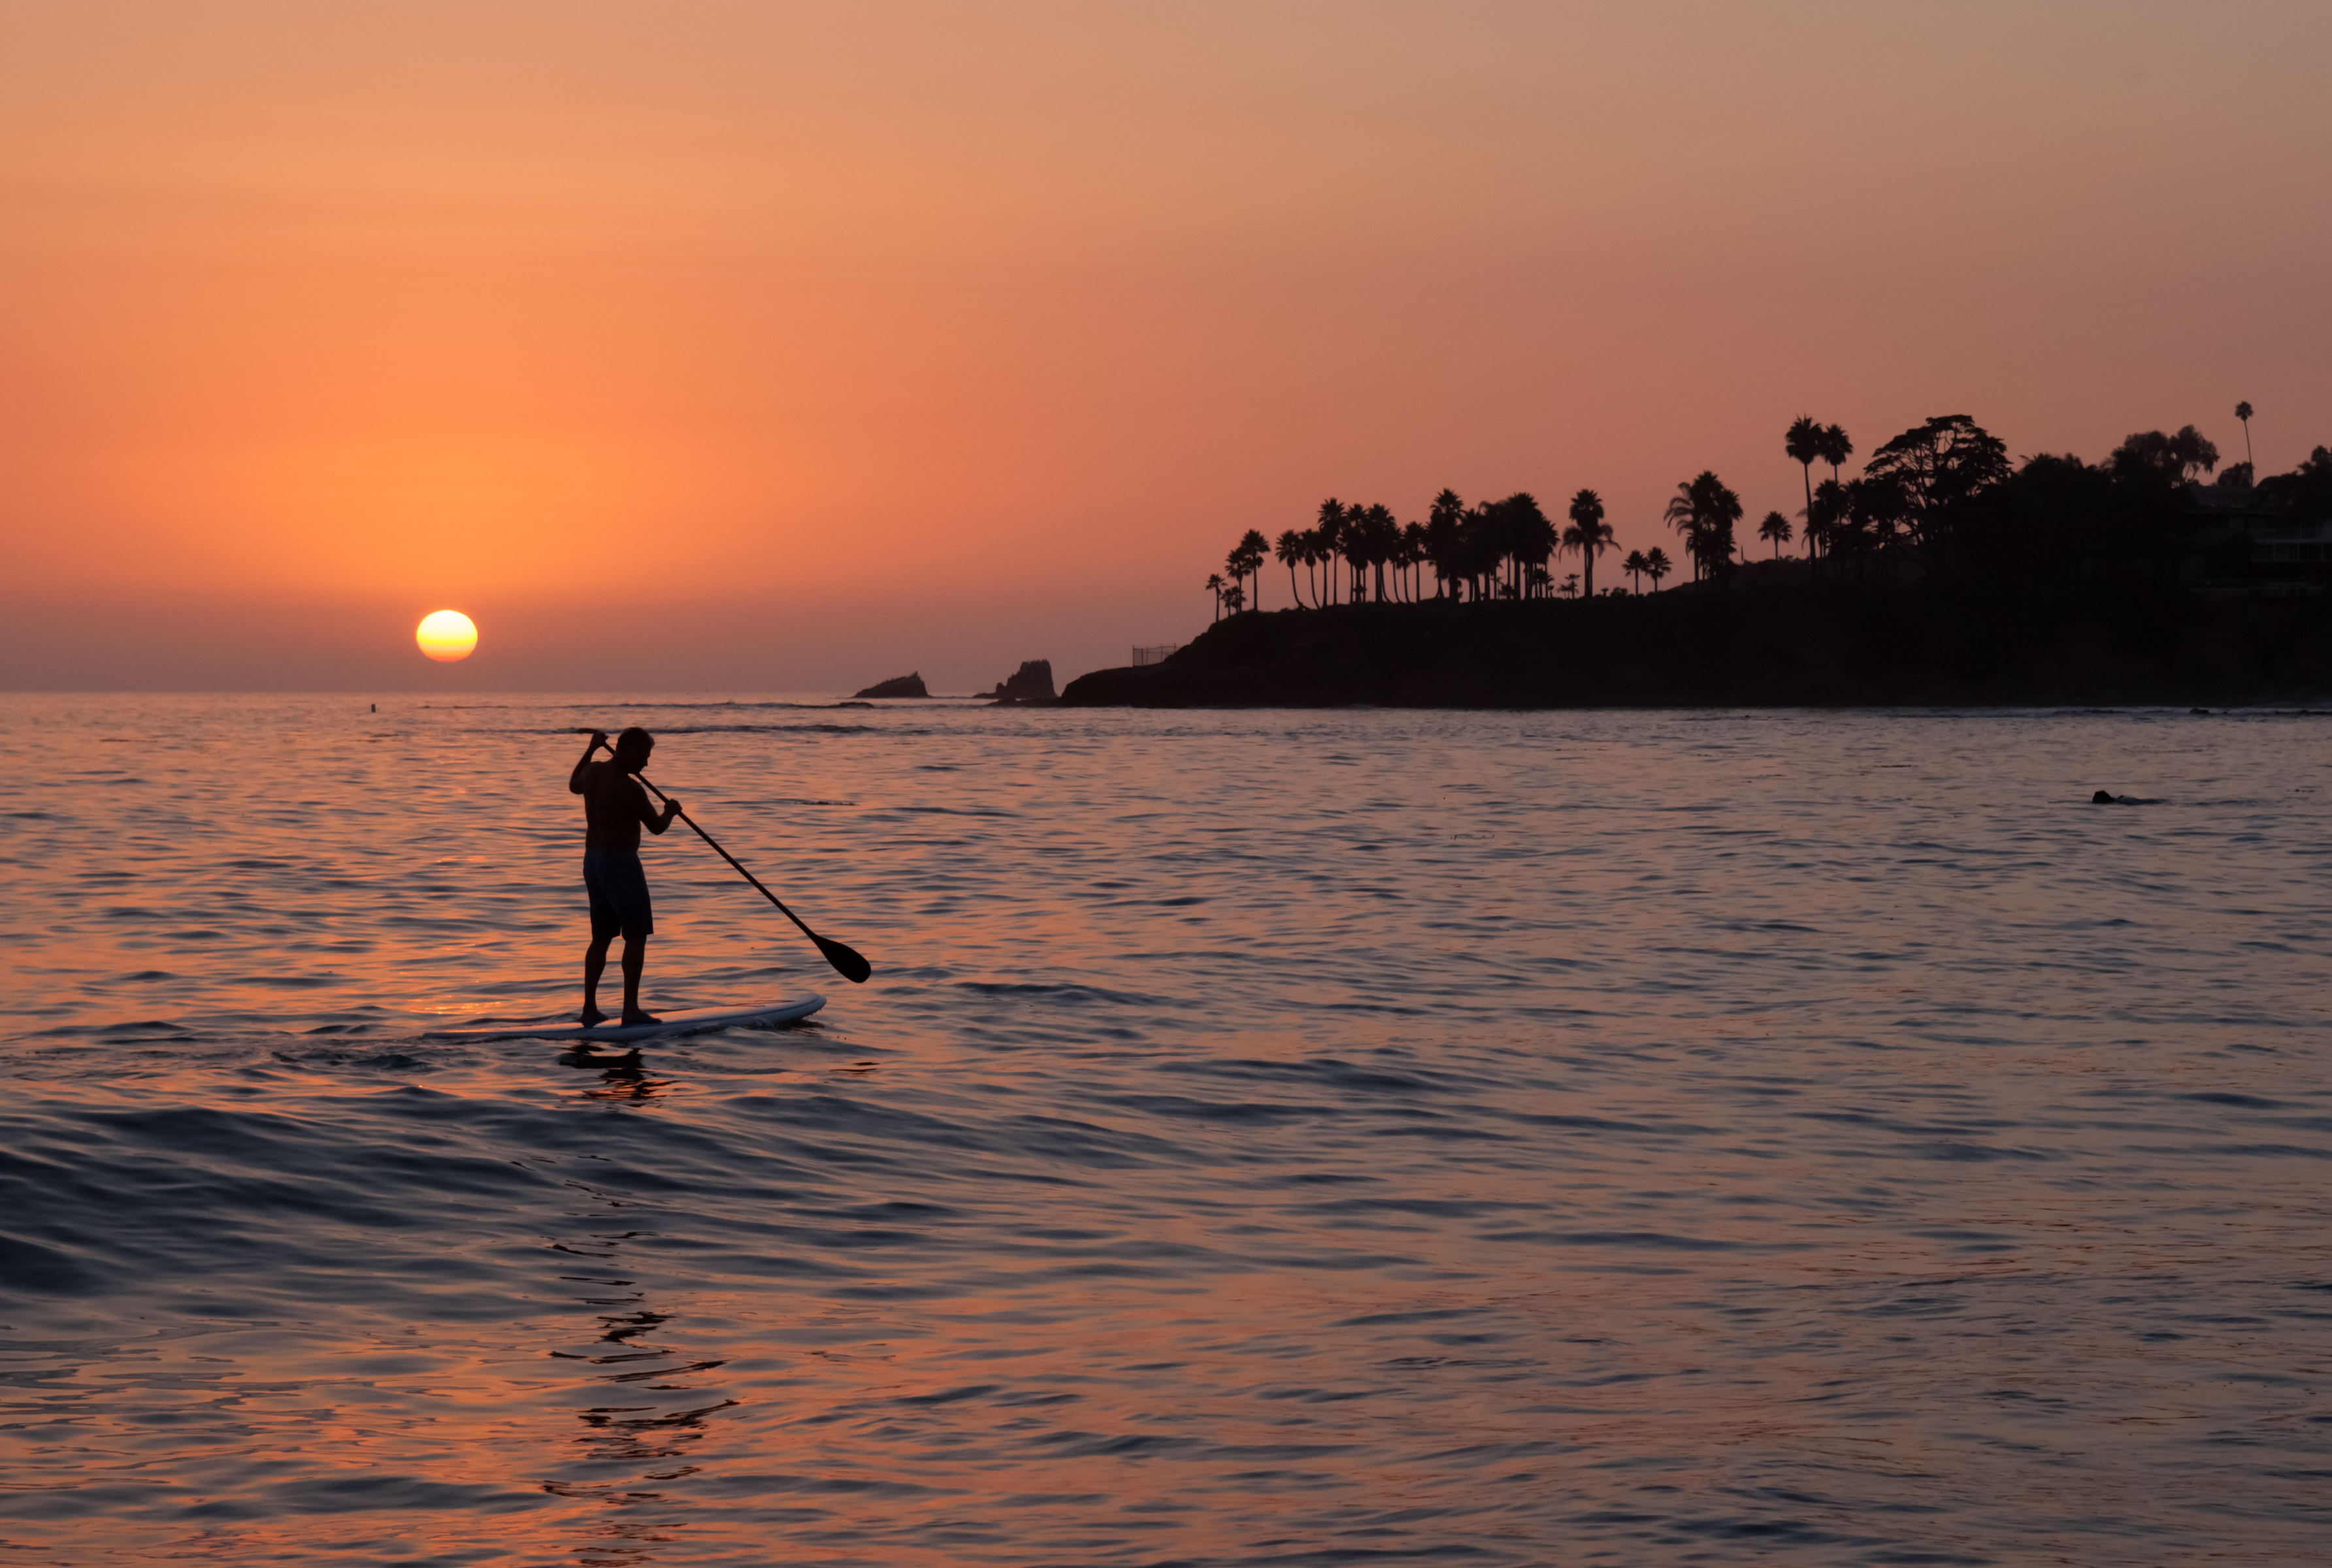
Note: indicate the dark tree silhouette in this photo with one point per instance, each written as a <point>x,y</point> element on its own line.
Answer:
<point>1835,449</point>
<point>1588,534</point>
<point>2306,490</point>
<point>1441,538</point>
<point>1824,515</point>
<point>1353,543</point>
<point>1330,532</point>
<point>1776,528</point>
<point>1477,549</point>
<point>1246,560</point>
<point>1289,548</point>
<point>2169,460</point>
<point>1380,542</point>
<point>1945,486</point>
<point>1938,465</point>
<point>1517,537</point>
<point>1412,556</point>
<point>2243,413</point>
<point>1704,510</point>
<point>1803,444</point>
<point>1878,510</point>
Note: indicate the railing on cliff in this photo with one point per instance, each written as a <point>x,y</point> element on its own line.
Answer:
<point>1153,655</point>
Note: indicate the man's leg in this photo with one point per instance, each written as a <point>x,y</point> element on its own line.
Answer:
<point>595,963</point>
<point>635,959</point>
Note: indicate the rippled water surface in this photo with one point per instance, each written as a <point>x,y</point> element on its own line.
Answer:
<point>1269,1138</point>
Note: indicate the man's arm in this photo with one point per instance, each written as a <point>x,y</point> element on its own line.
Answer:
<point>575,779</point>
<point>650,819</point>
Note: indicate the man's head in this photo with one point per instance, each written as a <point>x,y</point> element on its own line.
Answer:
<point>632,749</point>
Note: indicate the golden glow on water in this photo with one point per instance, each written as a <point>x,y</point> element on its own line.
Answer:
<point>1525,1137</point>
<point>446,636</point>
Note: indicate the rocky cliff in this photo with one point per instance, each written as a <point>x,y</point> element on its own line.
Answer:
<point>1819,645</point>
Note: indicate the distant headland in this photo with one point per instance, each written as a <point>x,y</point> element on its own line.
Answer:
<point>1943,574</point>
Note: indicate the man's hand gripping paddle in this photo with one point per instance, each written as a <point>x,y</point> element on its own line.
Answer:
<point>845,961</point>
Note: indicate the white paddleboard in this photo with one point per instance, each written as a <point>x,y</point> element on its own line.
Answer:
<point>669,1024</point>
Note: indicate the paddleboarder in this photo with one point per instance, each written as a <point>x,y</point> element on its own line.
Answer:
<point>615,808</point>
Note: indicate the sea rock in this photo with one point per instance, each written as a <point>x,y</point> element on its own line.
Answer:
<point>1032,682</point>
<point>902,686</point>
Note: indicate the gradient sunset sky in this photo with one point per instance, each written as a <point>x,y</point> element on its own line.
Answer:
<point>739,347</point>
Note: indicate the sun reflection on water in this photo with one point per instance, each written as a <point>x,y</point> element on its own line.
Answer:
<point>1723,1155</point>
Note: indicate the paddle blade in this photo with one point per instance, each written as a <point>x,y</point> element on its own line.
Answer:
<point>844,960</point>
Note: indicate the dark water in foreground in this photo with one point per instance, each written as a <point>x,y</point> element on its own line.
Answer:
<point>1270,1138</point>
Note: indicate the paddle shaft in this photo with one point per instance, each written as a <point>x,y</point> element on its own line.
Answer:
<point>731,859</point>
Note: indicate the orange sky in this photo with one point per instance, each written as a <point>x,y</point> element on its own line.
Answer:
<point>837,341</point>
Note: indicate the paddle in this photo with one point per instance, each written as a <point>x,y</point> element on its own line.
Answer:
<point>847,961</point>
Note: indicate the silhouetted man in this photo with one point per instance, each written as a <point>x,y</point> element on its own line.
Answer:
<point>615,808</point>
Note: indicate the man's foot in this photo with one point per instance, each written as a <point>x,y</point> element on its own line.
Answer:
<point>591,1017</point>
<point>634,1016</point>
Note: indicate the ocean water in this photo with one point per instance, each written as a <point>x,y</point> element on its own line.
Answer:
<point>1271,1138</point>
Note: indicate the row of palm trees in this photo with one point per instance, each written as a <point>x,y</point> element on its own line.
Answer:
<point>1502,549</point>
<point>1915,491</point>
<point>1498,550</point>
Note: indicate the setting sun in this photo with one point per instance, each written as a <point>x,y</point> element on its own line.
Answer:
<point>446,636</point>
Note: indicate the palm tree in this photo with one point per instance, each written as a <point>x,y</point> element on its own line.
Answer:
<point>1635,568</point>
<point>1330,533</point>
<point>1356,554</point>
<point>1533,537</point>
<point>1234,598</point>
<point>1290,549</point>
<point>1803,442</point>
<point>1246,560</point>
<point>1443,523</point>
<point>1828,509</point>
<point>2243,413</point>
<point>1656,566</point>
<point>1835,448</point>
<point>1704,510</point>
<point>1588,534</point>
<point>1720,510</point>
<point>1380,543</point>
<point>1215,586</point>
<point>1479,550</point>
<point>1777,528</point>
<point>1681,514</point>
